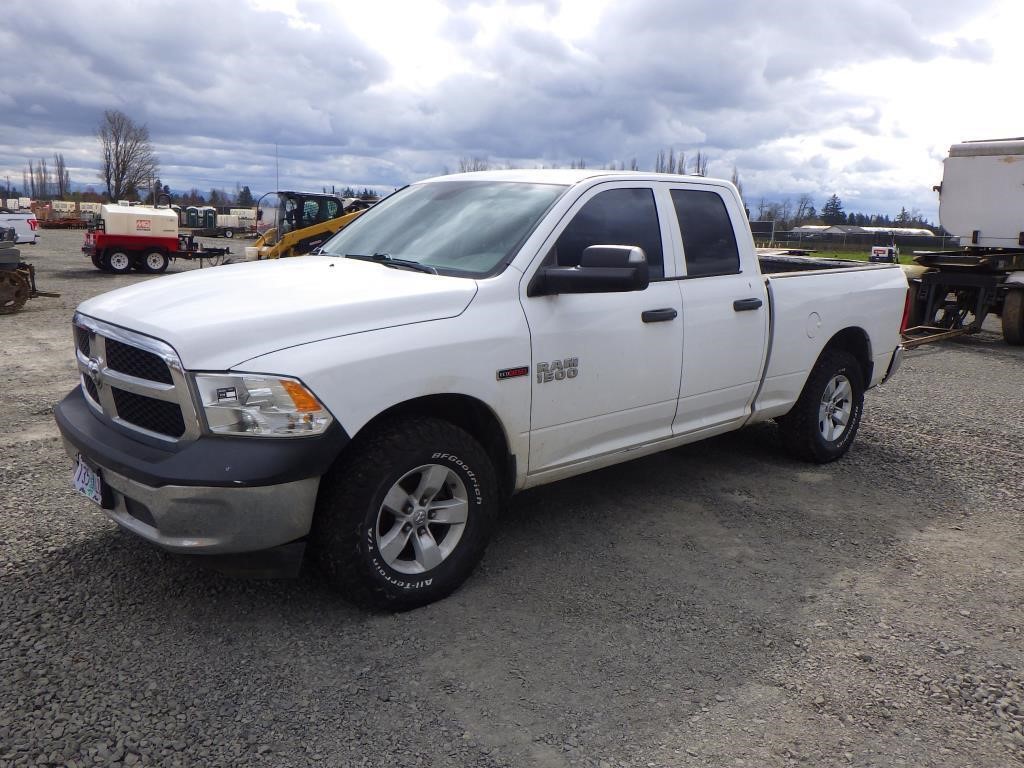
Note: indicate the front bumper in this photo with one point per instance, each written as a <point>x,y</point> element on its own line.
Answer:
<point>213,495</point>
<point>199,519</point>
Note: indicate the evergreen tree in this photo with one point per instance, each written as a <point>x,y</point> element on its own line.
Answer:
<point>245,199</point>
<point>832,212</point>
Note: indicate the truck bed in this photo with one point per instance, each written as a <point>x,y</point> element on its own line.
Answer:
<point>776,261</point>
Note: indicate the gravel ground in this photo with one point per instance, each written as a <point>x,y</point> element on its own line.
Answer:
<point>718,605</point>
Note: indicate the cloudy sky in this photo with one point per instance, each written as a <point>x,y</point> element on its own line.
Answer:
<point>860,98</point>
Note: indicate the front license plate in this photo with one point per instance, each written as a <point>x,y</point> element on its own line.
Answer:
<point>87,482</point>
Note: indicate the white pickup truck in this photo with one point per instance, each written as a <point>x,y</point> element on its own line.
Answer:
<point>470,336</point>
<point>24,223</point>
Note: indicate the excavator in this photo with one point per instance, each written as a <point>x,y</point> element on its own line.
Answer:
<point>295,223</point>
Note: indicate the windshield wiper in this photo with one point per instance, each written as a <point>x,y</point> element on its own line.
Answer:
<point>390,261</point>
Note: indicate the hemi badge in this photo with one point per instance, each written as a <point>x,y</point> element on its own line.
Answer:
<point>512,373</point>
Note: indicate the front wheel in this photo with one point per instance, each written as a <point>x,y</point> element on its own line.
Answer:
<point>821,426</point>
<point>404,519</point>
<point>117,262</point>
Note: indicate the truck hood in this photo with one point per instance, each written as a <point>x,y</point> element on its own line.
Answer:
<point>218,318</point>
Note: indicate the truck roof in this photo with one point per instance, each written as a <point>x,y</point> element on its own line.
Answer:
<point>566,176</point>
<point>988,147</point>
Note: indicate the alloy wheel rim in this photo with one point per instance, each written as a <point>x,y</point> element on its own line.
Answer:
<point>422,518</point>
<point>836,408</point>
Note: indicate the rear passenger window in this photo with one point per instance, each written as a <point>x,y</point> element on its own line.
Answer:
<point>614,217</point>
<point>709,243</point>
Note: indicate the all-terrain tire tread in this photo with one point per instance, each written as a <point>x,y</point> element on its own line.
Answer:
<point>338,524</point>
<point>798,428</point>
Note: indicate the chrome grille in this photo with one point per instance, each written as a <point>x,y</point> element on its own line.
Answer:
<point>82,340</point>
<point>137,362</point>
<point>135,381</point>
<point>154,415</point>
<point>90,389</point>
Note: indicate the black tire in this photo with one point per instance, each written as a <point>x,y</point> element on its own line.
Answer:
<point>1013,317</point>
<point>352,521</point>
<point>154,262</point>
<point>228,233</point>
<point>97,261</point>
<point>803,428</point>
<point>915,317</point>
<point>118,262</point>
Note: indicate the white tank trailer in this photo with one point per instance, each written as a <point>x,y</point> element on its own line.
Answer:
<point>981,198</point>
<point>981,201</point>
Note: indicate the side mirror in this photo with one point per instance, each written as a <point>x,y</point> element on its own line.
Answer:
<point>602,269</point>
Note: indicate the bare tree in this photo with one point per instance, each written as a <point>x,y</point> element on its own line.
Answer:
<point>736,180</point>
<point>61,176</point>
<point>668,162</point>
<point>785,214</point>
<point>128,158</point>
<point>37,180</point>
<point>804,209</point>
<point>42,180</point>
<point>700,164</point>
<point>469,164</point>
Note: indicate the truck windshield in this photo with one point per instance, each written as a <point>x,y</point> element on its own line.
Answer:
<point>461,228</point>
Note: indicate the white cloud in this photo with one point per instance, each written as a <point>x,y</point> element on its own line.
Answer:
<point>861,100</point>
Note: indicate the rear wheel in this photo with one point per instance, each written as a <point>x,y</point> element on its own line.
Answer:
<point>1013,317</point>
<point>154,262</point>
<point>228,233</point>
<point>404,519</point>
<point>821,426</point>
<point>117,262</point>
<point>97,261</point>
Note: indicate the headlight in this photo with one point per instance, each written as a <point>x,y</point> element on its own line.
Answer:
<point>257,404</point>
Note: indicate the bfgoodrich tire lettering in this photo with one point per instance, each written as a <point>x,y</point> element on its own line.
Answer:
<point>403,519</point>
<point>823,423</point>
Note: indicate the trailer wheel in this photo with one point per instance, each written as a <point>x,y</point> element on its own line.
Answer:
<point>821,426</point>
<point>917,305</point>
<point>403,520</point>
<point>97,261</point>
<point>228,233</point>
<point>154,262</point>
<point>1013,317</point>
<point>117,262</point>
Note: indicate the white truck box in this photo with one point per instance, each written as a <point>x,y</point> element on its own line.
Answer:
<point>142,221</point>
<point>981,199</point>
